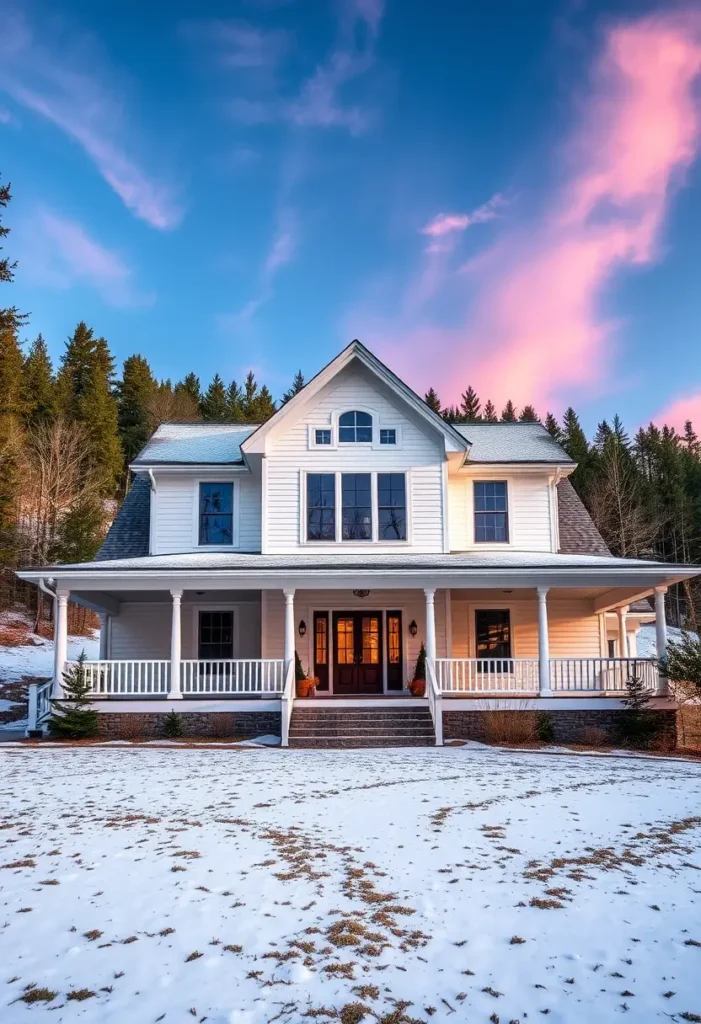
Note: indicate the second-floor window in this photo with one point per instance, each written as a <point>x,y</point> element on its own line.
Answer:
<point>370,507</point>
<point>321,506</point>
<point>216,513</point>
<point>355,428</point>
<point>491,512</point>
<point>356,491</point>
<point>391,506</point>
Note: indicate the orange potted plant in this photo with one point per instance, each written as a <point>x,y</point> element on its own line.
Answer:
<point>305,685</point>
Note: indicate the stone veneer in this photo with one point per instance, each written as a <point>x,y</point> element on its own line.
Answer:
<point>221,725</point>
<point>591,727</point>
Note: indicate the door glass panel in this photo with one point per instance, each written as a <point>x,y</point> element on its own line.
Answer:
<point>371,640</point>
<point>321,641</point>
<point>345,648</point>
<point>393,639</point>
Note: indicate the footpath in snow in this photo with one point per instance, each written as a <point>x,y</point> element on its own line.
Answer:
<point>242,887</point>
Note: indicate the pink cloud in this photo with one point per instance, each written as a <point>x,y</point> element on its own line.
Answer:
<point>56,82</point>
<point>447,223</point>
<point>61,254</point>
<point>532,326</point>
<point>679,411</point>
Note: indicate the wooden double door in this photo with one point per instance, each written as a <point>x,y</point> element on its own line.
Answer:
<point>365,647</point>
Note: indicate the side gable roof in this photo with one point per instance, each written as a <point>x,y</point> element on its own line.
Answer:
<point>357,351</point>
<point>215,444</point>
<point>578,534</point>
<point>512,442</point>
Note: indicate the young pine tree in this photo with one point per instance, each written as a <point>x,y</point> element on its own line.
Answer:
<point>38,385</point>
<point>489,413</point>
<point>528,415</point>
<point>470,406</point>
<point>213,406</point>
<point>509,413</point>
<point>234,401</point>
<point>135,393</point>
<point>553,427</point>
<point>433,401</point>
<point>297,385</point>
<point>73,717</point>
<point>190,385</point>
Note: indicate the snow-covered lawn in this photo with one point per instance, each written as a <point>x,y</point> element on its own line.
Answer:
<point>258,885</point>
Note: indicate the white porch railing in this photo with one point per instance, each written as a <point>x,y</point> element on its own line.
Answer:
<point>601,675</point>
<point>125,678</point>
<point>233,678</point>
<point>520,675</point>
<point>487,675</point>
<point>287,704</point>
<point>435,702</point>
<point>39,705</point>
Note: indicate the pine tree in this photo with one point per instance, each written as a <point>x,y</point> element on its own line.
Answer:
<point>553,427</point>
<point>234,402</point>
<point>73,717</point>
<point>173,726</point>
<point>38,385</point>
<point>690,438</point>
<point>258,405</point>
<point>602,435</point>
<point>636,727</point>
<point>508,414</point>
<point>451,414</point>
<point>528,415</point>
<point>489,413</point>
<point>420,669</point>
<point>575,444</point>
<point>213,405</point>
<point>297,385</point>
<point>12,409</point>
<point>80,532</point>
<point>10,318</point>
<point>190,386</point>
<point>470,405</point>
<point>135,393</point>
<point>433,401</point>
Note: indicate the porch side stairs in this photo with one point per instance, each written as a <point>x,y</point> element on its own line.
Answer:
<point>347,727</point>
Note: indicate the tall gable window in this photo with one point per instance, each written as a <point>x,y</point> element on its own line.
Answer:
<point>356,490</point>
<point>391,506</point>
<point>321,506</point>
<point>216,513</point>
<point>491,512</point>
<point>355,427</point>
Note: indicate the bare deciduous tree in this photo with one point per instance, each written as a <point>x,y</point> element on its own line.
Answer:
<point>618,506</point>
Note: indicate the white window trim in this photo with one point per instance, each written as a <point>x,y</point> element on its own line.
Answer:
<point>235,507</point>
<point>493,545</point>
<point>311,437</point>
<point>373,445</point>
<point>357,545</point>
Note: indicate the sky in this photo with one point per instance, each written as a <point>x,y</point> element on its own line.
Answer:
<point>502,195</point>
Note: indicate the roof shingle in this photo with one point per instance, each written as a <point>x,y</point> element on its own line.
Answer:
<point>578,534</point>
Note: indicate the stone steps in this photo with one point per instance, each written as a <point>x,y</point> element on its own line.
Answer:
<point>361,727</point>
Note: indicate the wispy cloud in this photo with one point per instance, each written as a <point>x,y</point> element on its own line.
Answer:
<point>239,44</point>
<point>448,223</point>
<point>61,254</point>
<point>281,252</point>
<point>677,412</point>
<point>529,322</point>
<point>60,76</point>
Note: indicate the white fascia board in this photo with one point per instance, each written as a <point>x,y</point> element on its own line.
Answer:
<point>555,468</point>
<point>190,467</point>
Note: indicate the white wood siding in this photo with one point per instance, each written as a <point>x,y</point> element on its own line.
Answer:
<point>530,511</point>
<point>573,626</point>
<point>289,453</point>
<point>142,629</point>
<point>176,511</point>
<point>412,604</point>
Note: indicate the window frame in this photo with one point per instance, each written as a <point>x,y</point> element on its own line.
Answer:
<point>390,540</point>
<point>374,445</point>
<point>216,478</point>
<point>474,513</point>
<point>475,609</point>
<point>355,443</point>
<point>320,540</point>
<point>375,540</point>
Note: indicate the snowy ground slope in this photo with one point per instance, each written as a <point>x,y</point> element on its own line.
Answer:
<point>251,886</point>
<point>647,639</point>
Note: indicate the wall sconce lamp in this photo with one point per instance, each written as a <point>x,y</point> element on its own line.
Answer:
<point>413,628</point>
<point>302,628</point>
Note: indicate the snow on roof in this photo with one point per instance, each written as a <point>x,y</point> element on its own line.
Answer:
<point>196,444</point>
<point>512,442</point>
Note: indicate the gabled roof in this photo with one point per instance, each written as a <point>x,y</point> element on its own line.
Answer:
<point>578,534</point>
<point>512,442</point>
<point>202,444</point>
<point>357,351</point>
<point>128,536</point>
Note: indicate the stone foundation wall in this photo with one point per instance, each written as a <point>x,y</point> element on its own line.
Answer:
<point>597,728</point>
<point>689,727</point>
<point>220,725</point>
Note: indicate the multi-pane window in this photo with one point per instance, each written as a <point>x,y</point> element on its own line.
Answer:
<point>391,506</point>
<point>321,640</point>
<point>322,437</point>
<point>321,506</point>
<point>216,635</point>
<point>355,427</point>
<point>356,522</point>
<point>216,513</point>
<point>492,633</point>
<point>388,436</point>
<point>491,514</point>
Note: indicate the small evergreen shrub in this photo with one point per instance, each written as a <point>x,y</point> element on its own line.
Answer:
<point>173,728</point>
<point>637,727</point>
<point>420,670</point>
<point>545,727</point>
<point>299,670</point>
<point>683,662</point>
<point>72,717</point>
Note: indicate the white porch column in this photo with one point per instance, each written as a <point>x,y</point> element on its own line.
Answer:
<point>104,626</point>
<point>289,626</point>
<point>430,625</point>
<point>622,631</point>
<point>543,643</point>
<point>60,641</point>
<point>661,635</point>
<point>175,647</point>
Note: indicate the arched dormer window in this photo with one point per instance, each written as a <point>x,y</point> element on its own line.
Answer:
<point>355,427</point>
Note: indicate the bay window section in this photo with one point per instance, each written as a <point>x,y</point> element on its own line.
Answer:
<point>356,498</point>
<point>321,506</point>
<point>391,506</point>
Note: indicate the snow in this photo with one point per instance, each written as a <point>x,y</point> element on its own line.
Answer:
<point>647,639</point>
<point>310,873</point>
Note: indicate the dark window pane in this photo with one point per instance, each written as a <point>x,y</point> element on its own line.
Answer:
<point>216,635</point>
<point>216,513</point>
<point>357,506</point>
<point>388,437</point>
<point>322,436</point>
<point>493,633</point>
<point>321,506</point>
<point>391,502</point>
<point>491,515</point>
<point>355,427</point>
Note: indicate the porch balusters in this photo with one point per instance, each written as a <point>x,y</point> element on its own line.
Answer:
<point>60,641</point>
<point>543,643</point>
<point>661,635</point>
<point>175,647</point>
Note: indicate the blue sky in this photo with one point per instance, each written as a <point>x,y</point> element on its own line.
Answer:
<point>506,195</point>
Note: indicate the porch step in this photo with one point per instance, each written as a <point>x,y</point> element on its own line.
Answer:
<point>361,727</point>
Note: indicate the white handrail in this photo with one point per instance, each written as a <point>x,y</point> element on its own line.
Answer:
<point>233,677</point>
<point>601,675</point>
<point>435,702</point>
<point>125,678</point>
<point>520,675</point>
<point>39,705</point>
<point>287,704</point>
